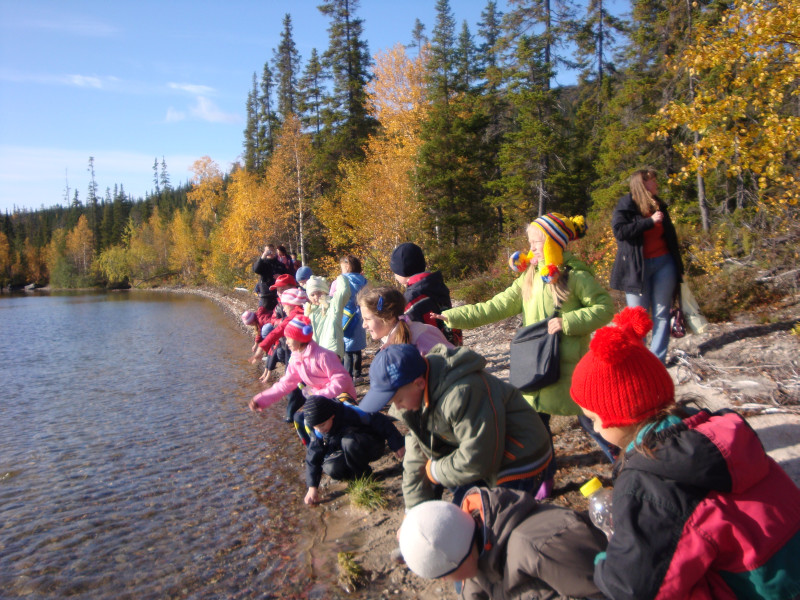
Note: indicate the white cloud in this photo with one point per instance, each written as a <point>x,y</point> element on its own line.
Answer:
<point>206,110</point>
<point>173,115</point>
<point>193,89</point>
<point>85,81</point>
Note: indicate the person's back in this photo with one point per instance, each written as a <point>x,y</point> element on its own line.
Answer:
<point>715,516</point>
<point>524,549</point>
<point>426,293</point>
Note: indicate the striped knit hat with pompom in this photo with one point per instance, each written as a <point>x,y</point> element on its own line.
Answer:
<point>559,231</point>
<point>619,379</point>
<point>299,328</point>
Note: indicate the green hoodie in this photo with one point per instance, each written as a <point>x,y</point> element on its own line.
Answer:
<point>588,308</point>
<point>471,427</point>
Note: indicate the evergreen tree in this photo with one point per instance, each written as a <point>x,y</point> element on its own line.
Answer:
<point>92,207</point>
<point>311,94</point>
<point>164,177</point>
<point>418,37</point>
<point>251,162</point>
<point>286,60</point>
<point>267,119</point>
<point>453,156</point>
<point>155,176</point>
<point>347,59</point>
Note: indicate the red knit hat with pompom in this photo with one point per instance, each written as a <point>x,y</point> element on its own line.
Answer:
<point>619,379</point>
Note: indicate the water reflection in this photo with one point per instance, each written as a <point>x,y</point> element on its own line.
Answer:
<point>129,463</point>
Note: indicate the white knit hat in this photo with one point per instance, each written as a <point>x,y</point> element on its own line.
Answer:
<point>435,538</point>
<point>316,283</point>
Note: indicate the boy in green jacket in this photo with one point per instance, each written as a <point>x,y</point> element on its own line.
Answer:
<point>466,427</point>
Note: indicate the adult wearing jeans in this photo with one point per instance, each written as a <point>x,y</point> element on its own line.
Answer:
<point>648,265</point>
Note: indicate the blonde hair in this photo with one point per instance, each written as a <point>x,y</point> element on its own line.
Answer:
<point>644,200</point>
<point>388,304</point>
<point>558,288</point>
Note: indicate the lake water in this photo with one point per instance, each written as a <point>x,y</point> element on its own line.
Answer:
<point>130,466</point>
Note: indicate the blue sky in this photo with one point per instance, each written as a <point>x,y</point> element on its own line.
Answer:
<point>127,82</point>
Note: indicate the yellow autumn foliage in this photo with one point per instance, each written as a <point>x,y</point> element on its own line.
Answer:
<point>375,206</point>
<point>746,70</point>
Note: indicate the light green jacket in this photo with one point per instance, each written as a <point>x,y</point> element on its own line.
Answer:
<point>327,323</point>
<point>588,308</point>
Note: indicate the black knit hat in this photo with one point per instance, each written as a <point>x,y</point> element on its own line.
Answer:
<point>407,260</point>
<point>318,409</point>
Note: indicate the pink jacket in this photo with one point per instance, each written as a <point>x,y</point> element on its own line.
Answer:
<point>423,336</point>
<point>320,369</point>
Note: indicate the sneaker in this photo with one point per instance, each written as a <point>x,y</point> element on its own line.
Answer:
<point>545,490</point>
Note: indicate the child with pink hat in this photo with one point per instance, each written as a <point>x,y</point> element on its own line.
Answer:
<point>320,369</point>
<point>699,508</point>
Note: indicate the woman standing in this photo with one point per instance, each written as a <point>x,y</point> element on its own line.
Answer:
<point>554,277</point>
<point>648,264</point>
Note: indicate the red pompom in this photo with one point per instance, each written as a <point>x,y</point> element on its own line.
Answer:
<point>610,345</point>
<point>636,319</point>
<point>552,270</point>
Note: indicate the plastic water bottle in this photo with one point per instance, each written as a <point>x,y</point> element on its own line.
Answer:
<point>599,505</point>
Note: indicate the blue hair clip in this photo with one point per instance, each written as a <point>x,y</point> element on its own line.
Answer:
<point>380,303</point>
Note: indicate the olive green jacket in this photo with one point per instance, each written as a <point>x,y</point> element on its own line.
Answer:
<point>470,427</point>
<point>588,308</point>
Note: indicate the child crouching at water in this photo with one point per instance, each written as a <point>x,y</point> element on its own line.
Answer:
<point>699,509</point>
<point>320,369</point>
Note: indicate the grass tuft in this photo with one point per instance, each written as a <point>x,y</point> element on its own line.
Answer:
<point>366,492</point>
<point>351,574</point>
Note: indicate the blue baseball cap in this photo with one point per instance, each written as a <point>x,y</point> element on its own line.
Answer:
<point>392,368</point>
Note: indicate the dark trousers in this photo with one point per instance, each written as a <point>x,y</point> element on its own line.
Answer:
<point>550,471</point>
<point>296,400</point>
<point>358,449</point>
<point>352,362</point>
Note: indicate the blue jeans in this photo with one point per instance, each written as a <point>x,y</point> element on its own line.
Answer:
<point>658,291</point>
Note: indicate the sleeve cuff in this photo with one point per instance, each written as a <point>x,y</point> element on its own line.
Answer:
<point>430,471</point>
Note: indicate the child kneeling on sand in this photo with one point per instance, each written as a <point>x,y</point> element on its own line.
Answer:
<point>502,543</point>
<point>349,439</point>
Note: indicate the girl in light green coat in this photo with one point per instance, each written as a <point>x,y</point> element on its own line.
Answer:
<point>553,276</point>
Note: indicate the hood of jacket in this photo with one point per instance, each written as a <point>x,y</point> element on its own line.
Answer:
<point>430,285</point>
<point>356,281</point>
<point>710,451</point>
<point>448,365</point>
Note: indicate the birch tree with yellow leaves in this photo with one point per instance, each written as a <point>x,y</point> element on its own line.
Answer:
<point>376,205</point>
<point>744,110</point>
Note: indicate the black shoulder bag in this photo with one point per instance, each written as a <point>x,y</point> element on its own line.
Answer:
<point>534,356</point>
<point>535,359</point>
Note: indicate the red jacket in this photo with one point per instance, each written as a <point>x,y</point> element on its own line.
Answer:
<point>274,336</point>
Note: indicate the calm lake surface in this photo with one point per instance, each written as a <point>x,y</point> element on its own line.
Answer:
<point>130,466</point>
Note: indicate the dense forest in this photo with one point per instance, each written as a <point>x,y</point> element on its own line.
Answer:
<point>458,138</point>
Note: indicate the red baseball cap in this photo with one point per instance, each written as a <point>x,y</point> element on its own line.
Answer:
<point>284,280</point>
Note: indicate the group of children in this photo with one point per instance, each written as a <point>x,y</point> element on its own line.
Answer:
<point>699,509</point>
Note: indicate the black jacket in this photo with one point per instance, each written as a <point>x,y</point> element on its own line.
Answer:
<point>426,292</point>
<point>348,418</point>
<point>268,269</point>
<point>628,224</point>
